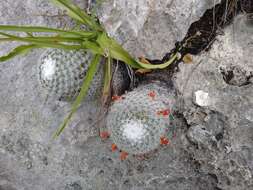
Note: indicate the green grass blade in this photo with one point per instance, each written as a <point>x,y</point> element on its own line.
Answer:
<point>56,39</point>
<point>41,43</point>
<point>70,10</point>
<point>6,40</point>
<point>78,14</point>
<point>93,47</point>
<point>23,49</point>
<point>160,66</point>
<point>116,51</point>
<point>29,34</point>
<point>30,29</point>
<point>90,74</point>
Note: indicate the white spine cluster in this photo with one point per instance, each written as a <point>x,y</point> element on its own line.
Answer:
<point>62,73</point>
<point>140,118</point>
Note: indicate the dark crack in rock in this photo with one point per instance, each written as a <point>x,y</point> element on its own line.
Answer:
<point>237,76</point>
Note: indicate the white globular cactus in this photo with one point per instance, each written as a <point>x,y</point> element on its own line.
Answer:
<point>62,73</point>
<point>139,119</point>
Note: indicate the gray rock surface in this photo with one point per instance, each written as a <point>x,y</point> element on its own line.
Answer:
<point>214,139</point>
<point>141,25</point>
<point>220,117</point>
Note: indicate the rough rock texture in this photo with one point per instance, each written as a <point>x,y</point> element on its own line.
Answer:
<point>141,25</point>
<point>220,117</point>
<point>213,145</point>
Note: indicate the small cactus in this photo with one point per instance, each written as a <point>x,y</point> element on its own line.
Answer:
<point>138,120</point>
<point>62,73</point>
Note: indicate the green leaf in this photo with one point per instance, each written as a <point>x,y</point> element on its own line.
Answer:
<point>23,49</point>
<point>78,14</point>
<point>41,42</point>
<point>89,76</point>
<point>160,66</point>
<point>115,50</point>
<point>93,47</point>
<point>56,39</point>
<point>29,34</point>
<point>30,29</point>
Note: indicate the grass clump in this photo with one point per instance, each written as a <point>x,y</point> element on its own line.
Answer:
<point>93,39</point>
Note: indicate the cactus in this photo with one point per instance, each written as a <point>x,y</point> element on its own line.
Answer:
<point>62,72</point>
<point>58,75</point>
<point>139,119</point>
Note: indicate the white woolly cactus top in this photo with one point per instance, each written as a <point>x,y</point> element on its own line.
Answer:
<point>140,118</point>
<point>62,72</point>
